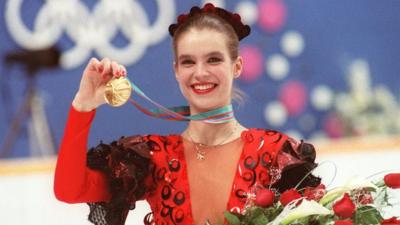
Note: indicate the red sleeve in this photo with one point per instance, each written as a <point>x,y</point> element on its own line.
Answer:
<point>74,182</point>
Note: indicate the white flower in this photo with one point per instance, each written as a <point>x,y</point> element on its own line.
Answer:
<point>351,184</point>
<point>306,208</point>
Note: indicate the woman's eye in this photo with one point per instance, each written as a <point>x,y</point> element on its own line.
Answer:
<point>187,62</point>
<point>214,60</point>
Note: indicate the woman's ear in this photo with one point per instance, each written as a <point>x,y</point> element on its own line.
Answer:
<point>238,67</point>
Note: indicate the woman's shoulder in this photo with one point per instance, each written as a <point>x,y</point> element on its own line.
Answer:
<point>154,143</point>
<point>264,135</point>
<point>274,140</point>
<point>292,158</point>
<point>146,138</point>
<point>286,148</point>
<point>270,136</point>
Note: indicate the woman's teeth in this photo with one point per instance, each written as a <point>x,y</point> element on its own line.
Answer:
<point>203,87</point>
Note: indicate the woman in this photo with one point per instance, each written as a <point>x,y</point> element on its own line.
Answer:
<point>191,178</point>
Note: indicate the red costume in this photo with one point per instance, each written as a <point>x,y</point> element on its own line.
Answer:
<point>111,177</point>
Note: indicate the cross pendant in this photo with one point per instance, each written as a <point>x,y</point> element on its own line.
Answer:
<point>201,155</point>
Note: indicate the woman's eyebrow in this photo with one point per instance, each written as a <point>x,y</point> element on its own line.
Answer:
<point>214,53</point>
<point>184,56</point>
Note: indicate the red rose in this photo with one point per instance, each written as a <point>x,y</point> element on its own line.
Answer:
<point>391,221</point>
<point>315,193</point>
<point>343,222</point>
<point>289,196</point>
<point>344,208</point>
<point>264,198</point>
<point>392,180</point>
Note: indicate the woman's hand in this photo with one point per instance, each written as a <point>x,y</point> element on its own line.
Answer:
<point>94,78</point>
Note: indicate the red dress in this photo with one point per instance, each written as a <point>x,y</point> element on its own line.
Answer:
<point>111,177</point>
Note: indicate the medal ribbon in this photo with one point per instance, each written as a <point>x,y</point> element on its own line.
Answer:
<point>182,113</point>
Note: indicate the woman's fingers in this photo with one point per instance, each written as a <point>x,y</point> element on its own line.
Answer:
<point>112,69</point>
<point>115,69</point>
<point>94,64</point>
<point>123,70</point>
<point>106,68</point>
<point>106,65</point>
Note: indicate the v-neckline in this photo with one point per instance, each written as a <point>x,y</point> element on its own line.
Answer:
<point>186,172</point>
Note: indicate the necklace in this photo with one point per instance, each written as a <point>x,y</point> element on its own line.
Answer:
<point>201,155</point>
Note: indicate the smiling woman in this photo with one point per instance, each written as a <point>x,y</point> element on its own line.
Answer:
<point>204,69</point>
<point>187,178</point>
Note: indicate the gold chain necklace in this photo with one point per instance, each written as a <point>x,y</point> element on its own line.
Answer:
<point>201,155</point>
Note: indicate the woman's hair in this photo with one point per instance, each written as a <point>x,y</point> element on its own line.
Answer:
<point>214,18</point>
<point>217,19</point>
<point>212,22</point>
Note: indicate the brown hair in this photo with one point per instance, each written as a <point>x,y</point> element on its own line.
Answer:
<point>213,18</point>
<point>213,22</point>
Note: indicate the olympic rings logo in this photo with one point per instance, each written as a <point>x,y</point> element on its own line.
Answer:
<point>91,29</point>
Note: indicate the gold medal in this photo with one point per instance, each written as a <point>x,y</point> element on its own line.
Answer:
<point>118,91</point>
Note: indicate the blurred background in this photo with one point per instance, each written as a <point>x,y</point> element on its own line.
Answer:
<point>323,71</point>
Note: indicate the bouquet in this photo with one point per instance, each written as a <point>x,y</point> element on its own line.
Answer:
<point>358,202</point>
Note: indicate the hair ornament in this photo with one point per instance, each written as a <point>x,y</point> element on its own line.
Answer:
<point>233,19</point>
<point>182,18</point>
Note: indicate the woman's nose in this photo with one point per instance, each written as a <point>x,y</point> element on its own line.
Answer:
<point>200,70</point>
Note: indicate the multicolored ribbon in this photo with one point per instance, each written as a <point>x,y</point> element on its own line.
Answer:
<point>182,113</point>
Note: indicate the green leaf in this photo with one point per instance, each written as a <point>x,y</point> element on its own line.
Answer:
<point>261,220</point>
<point>301,221</point>
<point>258,217</point>
<point>367,215</point>
<point>322,219</point>
<point>272,212</point>
<point>231,218</point>
<point>256,212</point>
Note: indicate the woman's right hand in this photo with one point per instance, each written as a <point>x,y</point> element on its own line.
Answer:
<point>94,78</point>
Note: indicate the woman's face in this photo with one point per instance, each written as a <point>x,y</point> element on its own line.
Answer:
<point>205,70</point>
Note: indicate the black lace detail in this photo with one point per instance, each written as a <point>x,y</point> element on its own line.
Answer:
<point>126,163</point>
<point>299,161</point>
<point>98,213</point>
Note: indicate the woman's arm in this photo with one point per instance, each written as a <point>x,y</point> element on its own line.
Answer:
<point>73,181</point>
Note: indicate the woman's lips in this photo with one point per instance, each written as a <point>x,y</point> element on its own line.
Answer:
<point>203,88</point>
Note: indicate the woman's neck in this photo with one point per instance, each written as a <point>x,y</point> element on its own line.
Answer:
<point>213,134</point>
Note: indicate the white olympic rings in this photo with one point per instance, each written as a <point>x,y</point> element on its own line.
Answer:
<point>91,30</point>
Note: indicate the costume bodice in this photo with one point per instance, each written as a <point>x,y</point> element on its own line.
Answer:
<point>170,197</point>
<point>263,159</point>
